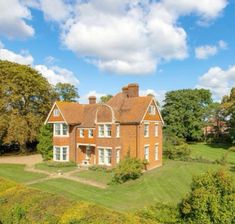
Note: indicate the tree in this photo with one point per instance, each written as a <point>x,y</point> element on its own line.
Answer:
<point>105,99</point>
<point>211,200</point>
<point>228,104</point>
<point>66,92</point>
<point>25,100</point>
<point>45,146</point>
<point>183,112</point>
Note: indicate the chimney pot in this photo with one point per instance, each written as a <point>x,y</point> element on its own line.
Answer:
<point>133,90</point>
<point>92,99</point>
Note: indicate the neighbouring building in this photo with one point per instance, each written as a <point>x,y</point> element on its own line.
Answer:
<point>104,133</point>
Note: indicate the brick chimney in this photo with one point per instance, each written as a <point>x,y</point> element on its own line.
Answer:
<point>92,99</point>
<point>133,90</point>
<point>125,91</point>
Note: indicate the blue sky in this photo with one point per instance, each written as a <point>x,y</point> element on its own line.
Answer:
<point>100,46</point>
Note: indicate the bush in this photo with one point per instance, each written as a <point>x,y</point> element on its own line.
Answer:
<point>23,205</point>
<point>175,147</point>
<point>160,213</point>
<point>212,200</point>
<point>45,146</point>
<point>128,169</point>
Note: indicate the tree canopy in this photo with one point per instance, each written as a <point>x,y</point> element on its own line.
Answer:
<point>104,99</point>
<point>184,110</point>
<point>66,92</point>
<point>25,99</point>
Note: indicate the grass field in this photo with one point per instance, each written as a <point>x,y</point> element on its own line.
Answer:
<point>211,152</point>
<point>17,173</point>
<point>169,183</point>
<point>44,166</point>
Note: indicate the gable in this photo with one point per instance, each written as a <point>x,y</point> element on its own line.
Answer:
<point>55,115</point>
<point>152,113</point>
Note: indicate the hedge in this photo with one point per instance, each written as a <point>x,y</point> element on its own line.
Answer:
<point>23,205</point>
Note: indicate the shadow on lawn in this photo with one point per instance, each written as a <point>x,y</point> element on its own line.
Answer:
<point>212,145</point>
<point>232,169</point>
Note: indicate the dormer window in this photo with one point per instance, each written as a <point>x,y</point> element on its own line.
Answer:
<point>90,133</point>
<point>56,112</point>
<point>152,110</point>
<point>104,130</point>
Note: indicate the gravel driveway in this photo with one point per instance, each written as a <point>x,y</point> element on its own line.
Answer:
<point>28,160</point>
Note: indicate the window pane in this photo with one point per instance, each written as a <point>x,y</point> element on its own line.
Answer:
<point>56,112</point>
<point>108,156</point>
<point>118,156</point>
<point>146,130</point>
<point>82,133</point>
<point>64,153</point>
<point>156,152</point>
<point>108,130</point>
<point>146,152</point>
<point>57,129</point>
<point>101,156</point>
<point>101,130</point>
<point>156,130</point>
<point>118,131</point>
<point>90,133</point>
<point>57,153</point>
<point>65,129</point>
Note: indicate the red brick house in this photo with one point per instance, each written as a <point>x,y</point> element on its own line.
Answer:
<point>103,134</point>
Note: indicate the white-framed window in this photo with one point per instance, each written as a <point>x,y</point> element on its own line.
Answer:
<point>156,152</point>
<point>61,153</point>
<point>146,152</point>
<point>81,133</point>
<point>118,131</point>
<point>146,130</point>
<point>104,130</point>
<point>61,129</point>
<point>156,130</point>
<point>152,110</point>
<point>105,156</point>
<point>117,155</point>
<point>56,112</point>
<point>90,133</point>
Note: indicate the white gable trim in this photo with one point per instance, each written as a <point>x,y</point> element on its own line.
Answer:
<point>153,100</point>
<point>46,121</point>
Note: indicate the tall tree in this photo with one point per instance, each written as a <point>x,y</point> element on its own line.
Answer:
<point>228,104</point>
<point>104,99</point>
<point>184,111</point>
<point>66,92</point>
<point>25,100</point>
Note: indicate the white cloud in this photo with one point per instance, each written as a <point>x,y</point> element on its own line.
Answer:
<point>84,98</point>
<point>204,52</point>
<point>1,45</point>
<point>133,37</point>
<point>57,74</point>
<point>53,74</point>
<point>218,81</point>
<point>159,95</point>
<point>22,58</point>
<point>13,18</point>
<point>55,10</point>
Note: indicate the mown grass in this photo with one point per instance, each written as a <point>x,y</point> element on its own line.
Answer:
<point>54,169</point>
<point>212,152</point>
<point>17,173</point>
<point>169,183</point>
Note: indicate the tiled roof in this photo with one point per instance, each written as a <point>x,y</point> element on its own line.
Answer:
<point>126,110</point>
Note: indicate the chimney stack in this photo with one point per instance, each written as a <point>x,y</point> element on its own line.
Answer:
<point>92,99</point>
<point>125,90</point>
<point>133,90</point>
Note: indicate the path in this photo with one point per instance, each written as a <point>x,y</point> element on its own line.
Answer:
<point>31,160</point>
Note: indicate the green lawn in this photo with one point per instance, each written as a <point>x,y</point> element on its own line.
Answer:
<point>54,169</point>
<point>16,173</point>
<point>211,152</point>
<point>166,184</point>
<point>99,176</point>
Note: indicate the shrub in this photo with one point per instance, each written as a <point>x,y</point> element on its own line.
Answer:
<point>45,146</point>
<point>175,147</point>
<point>59,164</point>
<point>128,169</point>
<point>212,199</point>
<point>98,168</point>
<point>160,213</point>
